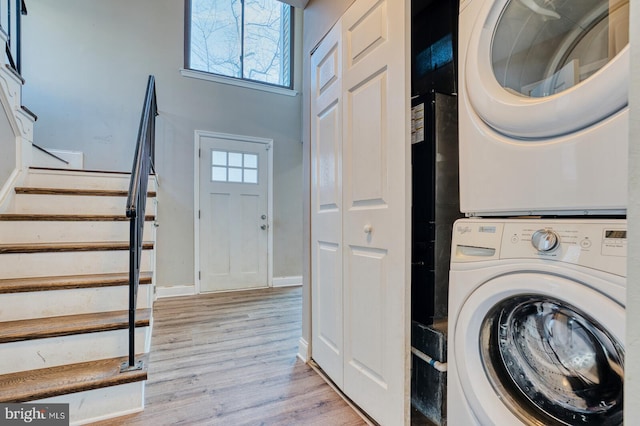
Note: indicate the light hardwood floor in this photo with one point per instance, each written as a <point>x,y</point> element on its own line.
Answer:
<point>230,359</point>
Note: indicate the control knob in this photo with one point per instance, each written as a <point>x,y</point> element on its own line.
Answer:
<point>545,240</point>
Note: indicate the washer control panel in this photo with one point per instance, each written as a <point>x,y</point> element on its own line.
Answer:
<point>594,243</point>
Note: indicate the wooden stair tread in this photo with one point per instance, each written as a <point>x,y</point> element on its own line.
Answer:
<point>20,285</point>
<point>82,192</point>
<point>108,172</point>
<point>67,325</point>
<point>68,247</point>
<point>68,217</point>
<point>48,382</point>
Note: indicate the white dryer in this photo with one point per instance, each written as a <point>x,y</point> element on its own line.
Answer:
<point>536,322</point>
<point>543,88</point>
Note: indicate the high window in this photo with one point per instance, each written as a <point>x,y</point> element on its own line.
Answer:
<point>245,39</point>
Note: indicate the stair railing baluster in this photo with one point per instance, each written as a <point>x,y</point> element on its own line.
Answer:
<point>11,25</point>
<point>136,205</point>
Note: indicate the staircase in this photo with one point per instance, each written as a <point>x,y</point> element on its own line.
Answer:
<point>64,259</point>
<point>64,267</point>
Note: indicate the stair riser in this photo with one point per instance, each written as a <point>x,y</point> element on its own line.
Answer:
<point>54,231</point>
<point>71,204</point>
<point>69,263</point>
<point>19,306</point>
<point>79,180</point>
<point>100,404</point>
<point>56,351</point>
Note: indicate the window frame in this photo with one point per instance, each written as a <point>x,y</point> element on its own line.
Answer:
<point>187,71</point>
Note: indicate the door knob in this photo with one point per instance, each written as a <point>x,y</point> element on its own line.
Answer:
<point>263,227</point>
<point>368,229</point>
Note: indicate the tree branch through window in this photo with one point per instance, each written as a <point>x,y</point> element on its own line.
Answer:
<point>248,39</point>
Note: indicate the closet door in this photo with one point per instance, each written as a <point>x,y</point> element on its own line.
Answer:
<point>326,206</point>
<point>376,196</point>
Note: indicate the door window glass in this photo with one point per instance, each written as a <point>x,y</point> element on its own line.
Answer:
<point>236,167</point>
<point>543,47</point>
<point>549,361</point>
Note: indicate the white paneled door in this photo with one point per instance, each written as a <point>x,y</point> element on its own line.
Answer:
<point>361,183</point>
<point>234,223</point>
<point>326,205</point>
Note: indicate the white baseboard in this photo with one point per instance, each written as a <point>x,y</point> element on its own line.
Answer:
<point>287,281</point>
<point>108,416</point>
<point>303,350</point>
<point>175,291</point>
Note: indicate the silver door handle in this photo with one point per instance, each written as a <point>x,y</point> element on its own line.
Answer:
<point>263,227</point>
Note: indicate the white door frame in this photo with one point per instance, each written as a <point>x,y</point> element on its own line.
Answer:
<point>198,134</point>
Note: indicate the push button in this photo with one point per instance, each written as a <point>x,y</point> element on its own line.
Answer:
<point>586,243</point>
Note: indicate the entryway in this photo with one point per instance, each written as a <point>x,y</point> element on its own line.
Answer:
<point>233,209</point>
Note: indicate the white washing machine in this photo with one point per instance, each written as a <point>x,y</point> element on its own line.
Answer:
<point>543,88</point>
<point>536,322</point>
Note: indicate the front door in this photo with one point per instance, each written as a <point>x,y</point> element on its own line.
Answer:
<point>234,222</point>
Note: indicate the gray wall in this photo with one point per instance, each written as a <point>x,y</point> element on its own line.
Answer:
<point>632,346</point>
<point>86,64</point>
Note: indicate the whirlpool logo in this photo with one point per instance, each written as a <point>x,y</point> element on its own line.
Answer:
<point>35,414</point>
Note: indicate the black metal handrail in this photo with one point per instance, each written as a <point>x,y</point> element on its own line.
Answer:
<point>136,204</point>
<point>11,24</point>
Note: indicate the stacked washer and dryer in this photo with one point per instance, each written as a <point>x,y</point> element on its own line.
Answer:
<point>538,268</point>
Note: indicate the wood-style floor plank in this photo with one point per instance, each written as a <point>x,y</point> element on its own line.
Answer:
<point>230,359</point>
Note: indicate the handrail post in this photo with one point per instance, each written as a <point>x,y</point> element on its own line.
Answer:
<point>136,205</point>
<point>132,288</point>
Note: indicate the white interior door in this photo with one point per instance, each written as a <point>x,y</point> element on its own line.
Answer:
<point>377,209</point>
<point>234,222</point>
<point>360,155</point>
<point>326,205</point>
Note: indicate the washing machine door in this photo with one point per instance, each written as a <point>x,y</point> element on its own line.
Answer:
<point>539,349</point>
<point>543,68</point>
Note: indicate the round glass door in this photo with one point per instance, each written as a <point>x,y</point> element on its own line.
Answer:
<point>537,69</point>
<point>551,363</point>
<point>544,47</point>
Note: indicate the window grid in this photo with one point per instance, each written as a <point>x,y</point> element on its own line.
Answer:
<point>234,167</point>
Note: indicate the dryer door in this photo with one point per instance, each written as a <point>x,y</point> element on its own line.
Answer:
<point>541,350</point>
<point>544,68</point>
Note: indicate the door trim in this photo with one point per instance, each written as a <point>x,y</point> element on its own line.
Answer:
<point>198,134</point>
